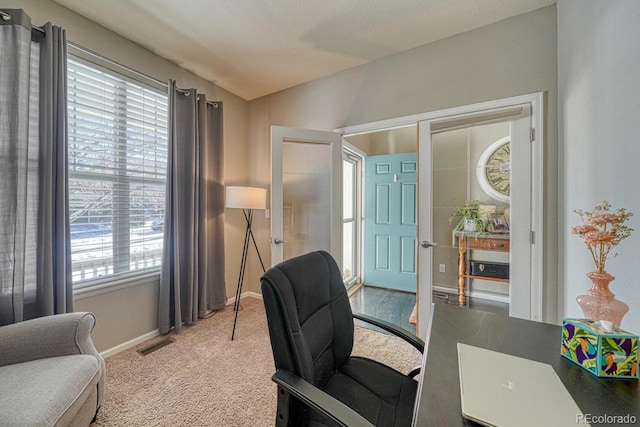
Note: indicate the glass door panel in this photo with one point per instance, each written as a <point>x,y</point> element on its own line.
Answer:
<point>306,197</point>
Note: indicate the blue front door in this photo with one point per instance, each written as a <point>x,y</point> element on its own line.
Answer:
<point>390,219</point>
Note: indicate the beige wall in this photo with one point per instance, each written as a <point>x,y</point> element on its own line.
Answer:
<point>511,57</point>
<point>391,141</point>
<point>130,312</point>
<point>599,89</point>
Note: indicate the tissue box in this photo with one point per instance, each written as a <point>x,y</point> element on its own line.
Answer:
<point>605,354</point>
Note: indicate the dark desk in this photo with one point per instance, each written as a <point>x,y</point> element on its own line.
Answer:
<point>439,394</point>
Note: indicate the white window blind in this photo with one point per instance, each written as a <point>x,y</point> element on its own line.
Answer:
<point>117,170</point>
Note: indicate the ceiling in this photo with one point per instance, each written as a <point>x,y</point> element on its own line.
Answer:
<point>256,47</point>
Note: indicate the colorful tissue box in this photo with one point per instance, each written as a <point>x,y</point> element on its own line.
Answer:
<point>605,354</point>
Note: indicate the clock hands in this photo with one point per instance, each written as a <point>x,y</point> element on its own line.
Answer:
<point>494,170</point>
<point>503,167</point>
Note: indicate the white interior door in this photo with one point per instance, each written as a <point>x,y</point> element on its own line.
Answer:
<point>522,303</point>
<point>521,227</point>
<point>306,189</point>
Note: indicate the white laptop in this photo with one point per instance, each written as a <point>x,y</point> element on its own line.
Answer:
<point>501,390</point>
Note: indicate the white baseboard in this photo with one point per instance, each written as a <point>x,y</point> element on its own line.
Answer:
<point>131,343</point>
<point>252,295</point>
<point>230,301</point>
<point>474,294</point>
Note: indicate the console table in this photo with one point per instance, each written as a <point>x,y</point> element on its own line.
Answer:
<point>485,242</point>
<point>438,401</point>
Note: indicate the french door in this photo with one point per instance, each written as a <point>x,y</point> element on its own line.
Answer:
<point>523,300</point>
<point>306,189</point>
<point>307,206</point>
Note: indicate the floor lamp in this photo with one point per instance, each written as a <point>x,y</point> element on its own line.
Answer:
<point>247,199</point>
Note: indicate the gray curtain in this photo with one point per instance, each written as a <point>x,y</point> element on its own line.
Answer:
<point>192,276</point>
<point>35,257</point>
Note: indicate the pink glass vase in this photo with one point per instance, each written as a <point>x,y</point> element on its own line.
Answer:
<point>600,303</point>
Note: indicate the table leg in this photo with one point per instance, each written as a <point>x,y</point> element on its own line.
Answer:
<point>462,269</point>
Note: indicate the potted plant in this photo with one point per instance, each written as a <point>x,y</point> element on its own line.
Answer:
<point>467,219</point>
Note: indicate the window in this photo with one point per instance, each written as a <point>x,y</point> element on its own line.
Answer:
<point>351,216</point>
<point>117,170</point>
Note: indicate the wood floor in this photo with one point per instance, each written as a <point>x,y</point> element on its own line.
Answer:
<point>392,306</point>
<point>396,306</point>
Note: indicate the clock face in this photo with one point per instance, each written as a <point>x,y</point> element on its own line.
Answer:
<point>494,170</point>
<point>498,169</point>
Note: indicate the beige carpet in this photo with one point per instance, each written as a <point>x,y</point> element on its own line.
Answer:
<point>205,379</point>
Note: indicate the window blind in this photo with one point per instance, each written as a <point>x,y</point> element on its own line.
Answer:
<point>117,170</point>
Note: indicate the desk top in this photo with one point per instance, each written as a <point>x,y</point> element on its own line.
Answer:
<point>439,393</point>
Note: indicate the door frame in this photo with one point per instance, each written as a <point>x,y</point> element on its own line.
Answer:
<point>352,151</point>
<point>280,135</point>
<point>536,100</point>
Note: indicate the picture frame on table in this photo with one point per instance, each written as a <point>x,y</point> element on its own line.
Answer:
<point>498,224</point>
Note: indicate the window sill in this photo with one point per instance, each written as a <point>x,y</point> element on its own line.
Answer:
<point>115,285</point>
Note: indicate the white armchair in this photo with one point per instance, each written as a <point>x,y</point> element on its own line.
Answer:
<point>52,374</point>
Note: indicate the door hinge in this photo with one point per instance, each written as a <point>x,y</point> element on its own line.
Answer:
<point>532,237</point>
<point>532,135</point>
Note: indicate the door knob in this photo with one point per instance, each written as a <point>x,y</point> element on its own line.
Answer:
<point>278,241</point>
<point>427,244</point>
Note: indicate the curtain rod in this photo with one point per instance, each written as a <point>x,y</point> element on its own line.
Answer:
<point>117,64</point>
<point>129,69</point>
<point>187,92</point>
<point>5,16</point>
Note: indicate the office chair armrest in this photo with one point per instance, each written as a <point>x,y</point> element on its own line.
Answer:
<point>318,400</point>
<point>395,330</point>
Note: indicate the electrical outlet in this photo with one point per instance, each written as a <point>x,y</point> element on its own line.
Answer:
<point>267,214</point>
<point>442,268</point>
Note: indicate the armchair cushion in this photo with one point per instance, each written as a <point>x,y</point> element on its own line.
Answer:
<point>41,392</point>
<point>51,372</point>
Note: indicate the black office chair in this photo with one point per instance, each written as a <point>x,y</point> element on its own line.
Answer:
<point>311,330</point>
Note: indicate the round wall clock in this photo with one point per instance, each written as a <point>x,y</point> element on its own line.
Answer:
<point>494,170</point>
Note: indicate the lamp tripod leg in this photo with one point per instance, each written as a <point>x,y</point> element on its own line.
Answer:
<point>243,265</point>
<point>249,221</point>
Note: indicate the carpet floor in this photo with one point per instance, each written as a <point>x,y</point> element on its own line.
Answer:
<point>205,379</point>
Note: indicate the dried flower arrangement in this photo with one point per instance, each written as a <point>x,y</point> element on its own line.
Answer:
<point>601,230</point>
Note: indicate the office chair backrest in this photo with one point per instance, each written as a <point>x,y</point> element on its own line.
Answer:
<point>309,316</point>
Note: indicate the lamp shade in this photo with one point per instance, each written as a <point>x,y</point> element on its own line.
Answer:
<point>246,197</point>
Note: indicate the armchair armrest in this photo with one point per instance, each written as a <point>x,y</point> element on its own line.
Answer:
<point>395,330</point>
<point>318,400</point>
<point>48,336</point>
